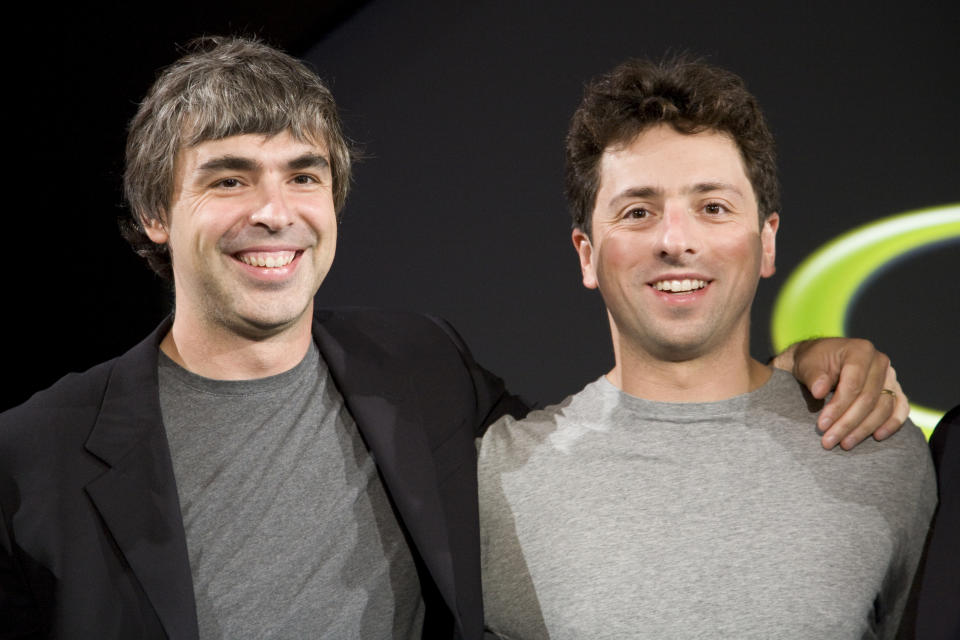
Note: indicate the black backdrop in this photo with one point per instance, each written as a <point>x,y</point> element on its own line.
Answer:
<point>457,208</point>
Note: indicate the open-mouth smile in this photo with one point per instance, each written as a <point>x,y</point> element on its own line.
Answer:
<point>268,259</point>
<point>679,286</point>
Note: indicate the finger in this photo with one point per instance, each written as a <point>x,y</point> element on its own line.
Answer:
<point>901,410</point>
<point>817,363</point>
<point>879,417</point>
<point>888,428</point>
<point>854,401</point>
<point>848,405</point>
<point>820,387</point>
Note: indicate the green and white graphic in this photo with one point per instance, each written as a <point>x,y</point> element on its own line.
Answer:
<point>816,298</point>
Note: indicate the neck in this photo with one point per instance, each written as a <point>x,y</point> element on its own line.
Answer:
<point>709,377</point>
<point>221,354</point>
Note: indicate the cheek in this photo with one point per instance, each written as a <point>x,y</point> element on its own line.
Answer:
<point>327,234</point>
<point>219,224</point>
<point>318,213</point>
<point>742,253</point>
<point>327,221</point>
<point>618,252</point>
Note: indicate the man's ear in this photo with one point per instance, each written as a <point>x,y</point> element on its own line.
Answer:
<point>768,244</point>
<point>156,230</point>
<point>581,242</point>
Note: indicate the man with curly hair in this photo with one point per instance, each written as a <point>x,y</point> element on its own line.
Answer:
<point>682,494</point>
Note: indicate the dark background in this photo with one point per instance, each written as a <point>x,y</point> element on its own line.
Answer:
<point>457,209</point>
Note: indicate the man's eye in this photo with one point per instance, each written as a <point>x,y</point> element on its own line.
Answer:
<point>304,179</point>
<point>636,213</point>
<point>714,208</point>
<point>228,183</point>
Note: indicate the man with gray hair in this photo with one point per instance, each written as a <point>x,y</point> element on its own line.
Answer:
<point>218,480</point>
<point>258,467</point>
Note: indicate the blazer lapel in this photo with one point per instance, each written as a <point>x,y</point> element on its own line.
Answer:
<point>386,412</point>
<point>137,497</point>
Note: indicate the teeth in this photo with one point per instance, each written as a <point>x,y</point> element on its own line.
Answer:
<point>269,260</point>
<point>677,286</point>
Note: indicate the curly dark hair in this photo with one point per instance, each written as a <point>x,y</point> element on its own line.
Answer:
<point>687,94</point>
<point>221,88</point>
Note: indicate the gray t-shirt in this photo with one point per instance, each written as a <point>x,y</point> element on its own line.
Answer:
<point>608,516</point>
<point>289,529</point>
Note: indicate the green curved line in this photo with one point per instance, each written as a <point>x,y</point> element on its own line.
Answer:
<point>815,299</point>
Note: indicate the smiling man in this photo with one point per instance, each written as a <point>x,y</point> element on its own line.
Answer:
<point>258,467</point>
<point>253,229</point>
<point>218,480</point>
<point>682,494</point>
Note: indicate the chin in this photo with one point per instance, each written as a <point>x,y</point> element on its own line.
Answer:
<point>266,323</point>
<point>675,350</point>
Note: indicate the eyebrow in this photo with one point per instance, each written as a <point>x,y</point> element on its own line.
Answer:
<point>636,192</point>
<point>228,163</point>
<point>240,163</point>
<point>707,187</point>
<point>309,161</point>
<point>650,192</point>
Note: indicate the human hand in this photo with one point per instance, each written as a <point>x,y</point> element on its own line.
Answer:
<point>867,398</point>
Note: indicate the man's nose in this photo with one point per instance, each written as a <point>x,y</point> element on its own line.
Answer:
<point>271,209</point>
<point>677,234</point>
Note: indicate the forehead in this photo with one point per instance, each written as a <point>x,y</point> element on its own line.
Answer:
<point>662,157</point>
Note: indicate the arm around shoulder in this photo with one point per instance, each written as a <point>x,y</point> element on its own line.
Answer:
<point>494,400</point>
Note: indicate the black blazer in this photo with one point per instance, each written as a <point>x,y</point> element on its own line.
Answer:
<point>92,543</point>
<point>938,609</point>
